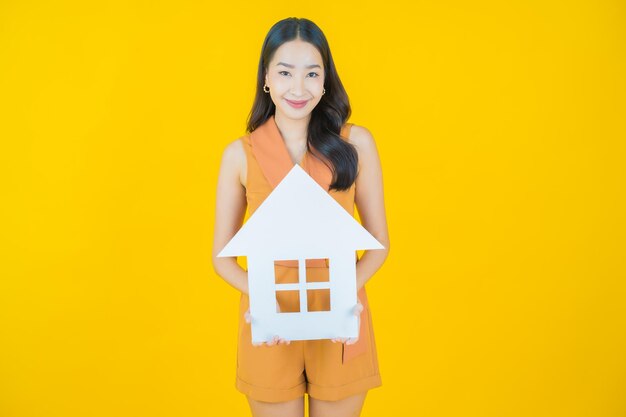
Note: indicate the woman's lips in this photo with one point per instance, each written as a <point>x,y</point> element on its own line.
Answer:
<point>297,104</point>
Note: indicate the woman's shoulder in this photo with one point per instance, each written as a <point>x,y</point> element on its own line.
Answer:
<point>234,158</point>
<point>234,150</point>
<point>361,138</point>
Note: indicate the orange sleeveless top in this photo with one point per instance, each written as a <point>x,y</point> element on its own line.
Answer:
<point>268,162</point>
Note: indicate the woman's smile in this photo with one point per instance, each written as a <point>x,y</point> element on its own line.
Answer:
<point>297,104</point>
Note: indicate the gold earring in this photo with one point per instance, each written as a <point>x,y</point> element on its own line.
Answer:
<point>268,89</point>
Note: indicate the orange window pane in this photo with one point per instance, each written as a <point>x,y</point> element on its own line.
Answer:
<point>285,275</point>
<point>314,274</point>
<point>287,301</point>
<point>318,300</point>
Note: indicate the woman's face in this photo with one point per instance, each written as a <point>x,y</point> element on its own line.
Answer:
<point>295,74</point>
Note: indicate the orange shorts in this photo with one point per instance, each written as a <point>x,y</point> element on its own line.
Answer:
<point>286,372</point>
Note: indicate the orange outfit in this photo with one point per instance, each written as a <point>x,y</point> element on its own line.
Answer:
<point>325,370</point>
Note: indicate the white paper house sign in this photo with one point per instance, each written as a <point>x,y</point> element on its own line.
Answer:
<point>298,207</point>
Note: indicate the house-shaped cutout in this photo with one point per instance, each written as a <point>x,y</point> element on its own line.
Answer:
<point>299,220</point>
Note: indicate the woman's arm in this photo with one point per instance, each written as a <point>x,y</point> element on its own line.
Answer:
<point>229,213</point>
<point>370,202</point>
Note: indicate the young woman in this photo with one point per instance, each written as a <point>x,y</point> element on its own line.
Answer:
<point>299,116</point>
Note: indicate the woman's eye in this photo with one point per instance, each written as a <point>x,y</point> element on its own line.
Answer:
<point>313,74</point>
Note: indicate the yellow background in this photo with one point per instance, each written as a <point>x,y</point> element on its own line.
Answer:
<point>502,136</point>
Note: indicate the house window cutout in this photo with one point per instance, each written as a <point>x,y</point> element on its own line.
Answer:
<point>287,297</point>
<point>318,274</point>
<point>293,297</point>
<point>287,301</point>
<point>318,300</point>
<point>281,273</point>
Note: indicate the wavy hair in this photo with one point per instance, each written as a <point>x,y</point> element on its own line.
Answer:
<point>331,113</point>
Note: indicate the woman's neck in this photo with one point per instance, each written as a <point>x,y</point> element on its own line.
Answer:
<point>294,132</point>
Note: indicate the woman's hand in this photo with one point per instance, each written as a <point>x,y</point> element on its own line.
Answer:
<point>351,340</point>
<point>276,340</point>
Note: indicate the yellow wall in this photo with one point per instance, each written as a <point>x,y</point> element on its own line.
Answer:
<point>501,131</point>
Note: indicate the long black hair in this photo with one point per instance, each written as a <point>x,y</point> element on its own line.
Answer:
<point>330,114</point>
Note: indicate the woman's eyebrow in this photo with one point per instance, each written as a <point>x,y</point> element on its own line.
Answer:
<point>292,66</point>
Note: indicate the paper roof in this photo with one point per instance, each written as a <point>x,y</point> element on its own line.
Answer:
<point>299,219</point>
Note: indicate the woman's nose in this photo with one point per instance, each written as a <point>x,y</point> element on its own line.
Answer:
<point>297,86</point>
